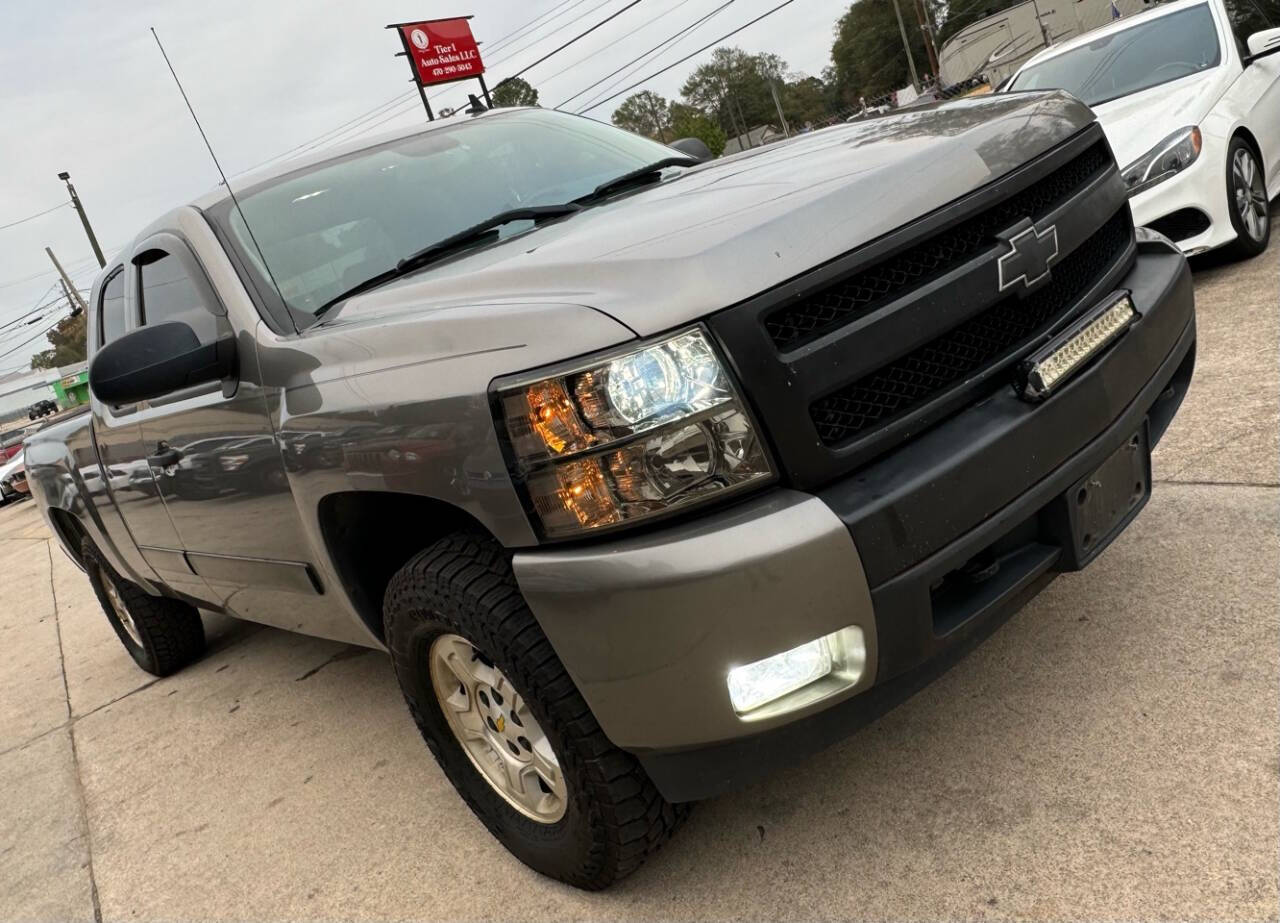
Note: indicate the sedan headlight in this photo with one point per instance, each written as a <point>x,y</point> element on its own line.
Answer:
<point>635,435</point>
<point>1168,158</point>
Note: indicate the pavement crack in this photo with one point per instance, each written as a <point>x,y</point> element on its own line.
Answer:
<point>119,698</point>
<point>341,655</point>
<point>1195,483</point>
<point>75,753</point>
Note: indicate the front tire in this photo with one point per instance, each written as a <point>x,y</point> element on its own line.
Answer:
<point>572,806</point>
<point>162,635</point>
<point>1247,200</point>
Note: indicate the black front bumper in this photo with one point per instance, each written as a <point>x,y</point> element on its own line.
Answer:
<point>985,486</point>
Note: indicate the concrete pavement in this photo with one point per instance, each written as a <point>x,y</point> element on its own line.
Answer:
<point>1111,752</point>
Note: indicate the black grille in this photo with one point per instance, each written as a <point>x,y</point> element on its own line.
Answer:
<point>865,289</point>
<point>1182,224</point>
<point>974,346</point>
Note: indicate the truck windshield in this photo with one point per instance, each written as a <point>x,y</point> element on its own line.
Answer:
<point>1143,56</point>
<point>326,228</point>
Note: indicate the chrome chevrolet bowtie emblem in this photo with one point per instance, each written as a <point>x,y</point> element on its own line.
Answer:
<point>1031,252</point>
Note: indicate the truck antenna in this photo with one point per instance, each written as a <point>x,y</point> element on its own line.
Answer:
<point>231,192</point>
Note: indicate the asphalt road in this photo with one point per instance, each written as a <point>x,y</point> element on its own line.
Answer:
<point>1111,752</point>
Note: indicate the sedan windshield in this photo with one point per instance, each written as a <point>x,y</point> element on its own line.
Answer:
<point>327,228</point>
<point>1142,56</point>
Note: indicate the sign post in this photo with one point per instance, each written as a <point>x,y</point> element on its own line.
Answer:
<point>441,51</point>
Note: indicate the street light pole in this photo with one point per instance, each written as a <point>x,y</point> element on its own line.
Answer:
<point>84,219</point>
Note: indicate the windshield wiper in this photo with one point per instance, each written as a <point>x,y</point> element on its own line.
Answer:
<point>648,173</point>
<point>477,233</point>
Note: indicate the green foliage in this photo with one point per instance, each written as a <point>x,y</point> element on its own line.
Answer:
<point>867,56</point>
<point>514,92</point>
<point>733,88</point>
<point>1249,16</point>
<point>807,101</point>
<point>691,122</point>
<point>645,113</point>
<point>68,343</point>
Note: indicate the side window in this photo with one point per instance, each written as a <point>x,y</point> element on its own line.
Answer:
<point>111,309</point>
<point>168,293</point>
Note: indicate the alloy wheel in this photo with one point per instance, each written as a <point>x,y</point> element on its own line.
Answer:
<point>1250,194</point>
<point>501,737</point>
<point>119,608</point>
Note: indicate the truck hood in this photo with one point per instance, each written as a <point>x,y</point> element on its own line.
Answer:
<point>1136,123</point>
<point>734,227</point>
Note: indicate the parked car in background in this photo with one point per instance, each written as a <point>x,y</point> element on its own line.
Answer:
<point>648,483</point>
<point>1191,111</point>
<point>13,479</point>
<point>41,409</point>
<point>11,442</point>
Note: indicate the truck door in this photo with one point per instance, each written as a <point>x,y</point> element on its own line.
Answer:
<point>215,458</point>
<point>126,473</point>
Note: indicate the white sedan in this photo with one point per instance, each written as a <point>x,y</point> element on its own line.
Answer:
<point>1192,113</point>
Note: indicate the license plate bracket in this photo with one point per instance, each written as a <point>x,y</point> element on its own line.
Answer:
<point>1094,510</point>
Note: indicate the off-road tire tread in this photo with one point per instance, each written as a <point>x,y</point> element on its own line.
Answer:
<point>172,632</point>
<point>465,580</point>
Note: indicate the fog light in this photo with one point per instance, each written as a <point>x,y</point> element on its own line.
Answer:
<point>841,654</point>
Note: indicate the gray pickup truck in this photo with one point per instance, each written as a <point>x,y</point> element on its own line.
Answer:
<point>650,474</point>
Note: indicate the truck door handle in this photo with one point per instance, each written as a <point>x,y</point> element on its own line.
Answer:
<point>165,457</point>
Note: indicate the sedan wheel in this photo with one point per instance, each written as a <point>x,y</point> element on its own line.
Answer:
<point>1247,200</point>
<point>1250,194</point>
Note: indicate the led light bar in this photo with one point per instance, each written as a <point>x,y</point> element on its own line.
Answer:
<point>1058,361</point>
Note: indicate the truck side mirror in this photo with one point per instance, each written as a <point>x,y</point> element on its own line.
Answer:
<point>693,147</point>
<point>151,362</point>
<point>1265,42</point>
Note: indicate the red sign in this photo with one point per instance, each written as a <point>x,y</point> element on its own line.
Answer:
<point>442,50</point>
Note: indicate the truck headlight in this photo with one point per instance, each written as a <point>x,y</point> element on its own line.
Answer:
<point>638,434</point>
<point>1168,158</point>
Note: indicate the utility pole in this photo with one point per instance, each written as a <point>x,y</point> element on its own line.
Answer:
<point>911,64</point>
<point>72,294</point>
<point>746,128</point>
<point>84,219</point>
<point>1044,31</point>
<point>927,28</point>
<point>786,129</point>
<point>66,293</point>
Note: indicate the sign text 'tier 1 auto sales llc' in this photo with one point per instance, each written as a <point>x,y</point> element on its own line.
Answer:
<point>443,50</point>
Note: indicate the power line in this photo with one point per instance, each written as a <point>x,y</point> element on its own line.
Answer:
<point>32,339</point>
<point>580,35</point>
<point>13,224</point>
<point>401,99</point>
<point>683,32</point>
<point>658,73</point>
<point>656,17</point>
<point>409,103</point>
<point>511,36</point>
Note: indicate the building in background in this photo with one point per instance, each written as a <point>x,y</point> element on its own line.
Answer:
<point>757,137</point>
<point>998,45</point>
<point>19,390</point>
<point>72,386</point>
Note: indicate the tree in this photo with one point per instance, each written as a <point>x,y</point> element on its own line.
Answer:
<point>867,55</point>
<point>733,88</point>
<point>807,100</point>
<point>691,122</point>
<point>68,344</point>
<point>645,113</point>
<point>514,92</point>
<point>1249,16</point>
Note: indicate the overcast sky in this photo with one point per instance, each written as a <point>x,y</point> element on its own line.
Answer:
<point>84,89</point>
